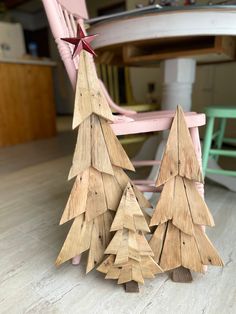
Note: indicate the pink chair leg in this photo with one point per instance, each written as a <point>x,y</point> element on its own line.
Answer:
<point>76,260</point>
<point>197,145</point>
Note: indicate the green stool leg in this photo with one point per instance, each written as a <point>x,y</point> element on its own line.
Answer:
<point>207,143</point>
<point>220,137</point>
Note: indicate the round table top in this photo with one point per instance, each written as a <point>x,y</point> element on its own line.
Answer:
<point>166,23</point>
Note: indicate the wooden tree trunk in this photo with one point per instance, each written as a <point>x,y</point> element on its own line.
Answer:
<point>131,287</point>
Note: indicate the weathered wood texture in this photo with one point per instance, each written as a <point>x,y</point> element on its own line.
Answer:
<point>98,164</point>
<point>130,256</point>
<point>27,110</point>
<point>88,98</point>
<point>179,239</point>
<point>179,156</point>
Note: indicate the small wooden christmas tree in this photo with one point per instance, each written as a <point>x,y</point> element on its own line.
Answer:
<point>130,256</point>
<point>179,239</point>
<point>98,164</point>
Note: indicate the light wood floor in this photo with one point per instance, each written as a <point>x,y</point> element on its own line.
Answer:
<point>33,192</point>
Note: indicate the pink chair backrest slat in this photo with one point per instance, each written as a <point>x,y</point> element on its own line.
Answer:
<point>63,24</point>
<point>76,7</point>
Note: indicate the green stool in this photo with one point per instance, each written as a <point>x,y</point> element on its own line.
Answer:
<point>221,113</point>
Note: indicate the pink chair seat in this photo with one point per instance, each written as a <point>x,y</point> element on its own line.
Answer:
<point>145,122</point>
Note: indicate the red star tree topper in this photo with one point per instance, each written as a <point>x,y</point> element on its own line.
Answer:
<point>81,41</point>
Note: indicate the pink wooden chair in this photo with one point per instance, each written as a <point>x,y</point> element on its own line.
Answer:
<point>63,16</point>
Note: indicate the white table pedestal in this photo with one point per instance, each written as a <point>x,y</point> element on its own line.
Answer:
<point>178,79</point>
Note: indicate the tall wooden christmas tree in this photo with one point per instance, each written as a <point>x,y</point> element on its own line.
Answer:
<point>130,256</point>
<point>179,240</point>
<point>98,164</point>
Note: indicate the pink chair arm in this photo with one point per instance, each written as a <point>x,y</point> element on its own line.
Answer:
<point>141,163</point>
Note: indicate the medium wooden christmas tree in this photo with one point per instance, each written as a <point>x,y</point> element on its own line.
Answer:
<point>130,256</point>
<point>179,240</point>
<point>98,164</point>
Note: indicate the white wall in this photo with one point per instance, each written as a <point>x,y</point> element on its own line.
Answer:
<point>215,85</point>
<point>140,77</point>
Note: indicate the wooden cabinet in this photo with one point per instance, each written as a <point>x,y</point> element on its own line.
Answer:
<point>27,109</point>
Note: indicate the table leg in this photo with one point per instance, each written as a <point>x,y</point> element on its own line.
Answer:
<point>178,79</point>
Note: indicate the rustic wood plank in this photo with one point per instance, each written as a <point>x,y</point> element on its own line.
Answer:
<point>73,244</point>
<point>200,213</point>
<point>123,179</point>
<point>189,166</point>
<point>169,163</point>
<point>99,102</point>
<point>106,264</point>
<point>96,202</point>
<point>171,256</point>
<point>100,156</point>
<point>98,243</point>
<point>122,256</point>
<point>113,273</point>
<point>133,247</point>
<point>208,253</point>
<point>76,203</point>
<point>164,209</point>
<point>115,243</point>
<point>128,208</point>
<point>179,156</point>
<point>117,153</point>
<point>132,206</point>
<point>141,224</point>
<point>82,155</point>
<point>133,269</point>
<point>146,272</point>
<point>157,240</point>
<point>181,212</point>
<point>137,274</point>
<point>118,222</point>
<point>108,217</point>
<point>143,202</point>
<point>88,97</point>
<point>144,247</point>
<point>112,191</point>
<point>125,274</point>
<point>189,253</point>
<point>82,105</point>
<point>149,263</point>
